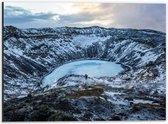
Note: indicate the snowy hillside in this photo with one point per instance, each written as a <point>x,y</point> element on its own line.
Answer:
<point>31,54</point>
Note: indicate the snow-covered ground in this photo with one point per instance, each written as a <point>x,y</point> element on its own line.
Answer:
<point>136,93</point>
<point>30,54</point>
<point>85,41</point>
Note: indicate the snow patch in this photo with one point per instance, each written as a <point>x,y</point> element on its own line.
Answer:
<point>85,41</point>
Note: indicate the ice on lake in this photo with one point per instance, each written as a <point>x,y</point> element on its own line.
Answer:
<point>93,68</point>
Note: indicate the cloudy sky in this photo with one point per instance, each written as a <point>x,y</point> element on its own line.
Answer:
<point>43,14</point>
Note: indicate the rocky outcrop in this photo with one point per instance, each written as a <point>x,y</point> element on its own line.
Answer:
<point>96,102</point>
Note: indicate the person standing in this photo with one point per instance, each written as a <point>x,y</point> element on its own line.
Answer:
<point>86,76</point>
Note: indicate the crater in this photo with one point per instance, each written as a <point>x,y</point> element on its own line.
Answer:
<point>92,68</point>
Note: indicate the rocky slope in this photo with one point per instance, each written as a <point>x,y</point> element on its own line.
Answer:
<point>30,54</point>
<point>96,102</point>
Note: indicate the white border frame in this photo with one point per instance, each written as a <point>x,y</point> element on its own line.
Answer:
<point>92,1</point>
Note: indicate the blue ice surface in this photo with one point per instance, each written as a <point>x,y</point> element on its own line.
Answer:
<point>93,68</point>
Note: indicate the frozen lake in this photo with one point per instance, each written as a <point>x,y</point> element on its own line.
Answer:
<point>93,68</point>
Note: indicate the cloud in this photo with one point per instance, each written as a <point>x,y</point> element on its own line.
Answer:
<point>151,16</point>
<point>143,16</point>
<point>19,16</point>
<point>89,15</point>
